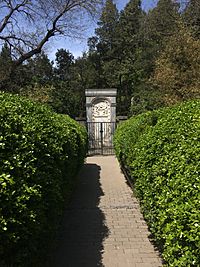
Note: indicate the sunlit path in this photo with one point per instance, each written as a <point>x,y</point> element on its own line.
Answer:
<point>103,225</point>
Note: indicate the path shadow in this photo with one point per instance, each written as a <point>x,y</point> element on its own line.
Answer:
<point>80,242</point>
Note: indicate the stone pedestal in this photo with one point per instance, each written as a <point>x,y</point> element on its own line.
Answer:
<point>101,105</point>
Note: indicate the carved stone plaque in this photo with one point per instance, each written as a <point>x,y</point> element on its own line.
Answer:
<point>101,111</point>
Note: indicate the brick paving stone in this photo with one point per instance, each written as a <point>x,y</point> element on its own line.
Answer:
<point>103,225</point>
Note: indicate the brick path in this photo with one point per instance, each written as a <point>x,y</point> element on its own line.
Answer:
<point>103,225</point>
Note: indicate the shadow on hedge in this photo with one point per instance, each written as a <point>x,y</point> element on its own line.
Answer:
<point>80,241</point>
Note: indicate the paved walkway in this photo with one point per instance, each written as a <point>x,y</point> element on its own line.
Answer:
<point>103,225</point>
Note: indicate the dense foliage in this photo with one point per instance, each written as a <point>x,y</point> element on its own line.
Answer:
<point>150,56</point>
<point>177,68</point>
<point>161,151</point>
<point>40,154</point>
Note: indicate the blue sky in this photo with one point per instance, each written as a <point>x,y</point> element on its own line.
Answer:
<point>77,47</point>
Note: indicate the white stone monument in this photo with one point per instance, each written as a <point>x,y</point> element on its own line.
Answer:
<point>101,116</point>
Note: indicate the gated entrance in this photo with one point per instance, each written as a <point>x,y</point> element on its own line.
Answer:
<point>101,138</point>
<point>101,118</point>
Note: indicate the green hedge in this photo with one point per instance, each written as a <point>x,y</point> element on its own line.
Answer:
<point>161,151</point>
<point>40,154</point>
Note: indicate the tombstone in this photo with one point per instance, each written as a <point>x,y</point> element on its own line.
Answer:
<point>101,118</point>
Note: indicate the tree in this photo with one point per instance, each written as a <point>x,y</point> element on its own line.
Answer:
<point>107,25</point>
<point>66,94</point>
<point>155,28</point>
<point>40,69</point>
<point>93,60</point>
<point>58,88</point>
<point>191,16</point>
<point>86,68</point>
<point>104,57</point>
<point>18,78</point>
<point>162,20</point>
<point>38,77</point>
<point>5,61</point>
<point>159,24</point>
<point>128,44</point>
<point>27,25</point>
<point>64,61</point>
<point>38,92</point>
<point>145,99</point>
<point>177,69</point>
<point>129,27</point>
<point>63,99</point>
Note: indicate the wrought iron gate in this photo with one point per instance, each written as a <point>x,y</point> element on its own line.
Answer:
<point>101,138</point>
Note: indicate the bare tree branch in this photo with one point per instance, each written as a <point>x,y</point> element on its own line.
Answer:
<point>12,10</point>
<point>27,25</point>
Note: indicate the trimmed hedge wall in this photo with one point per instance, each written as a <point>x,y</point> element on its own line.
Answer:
<point>40,154</point>
<point>161,151</point>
